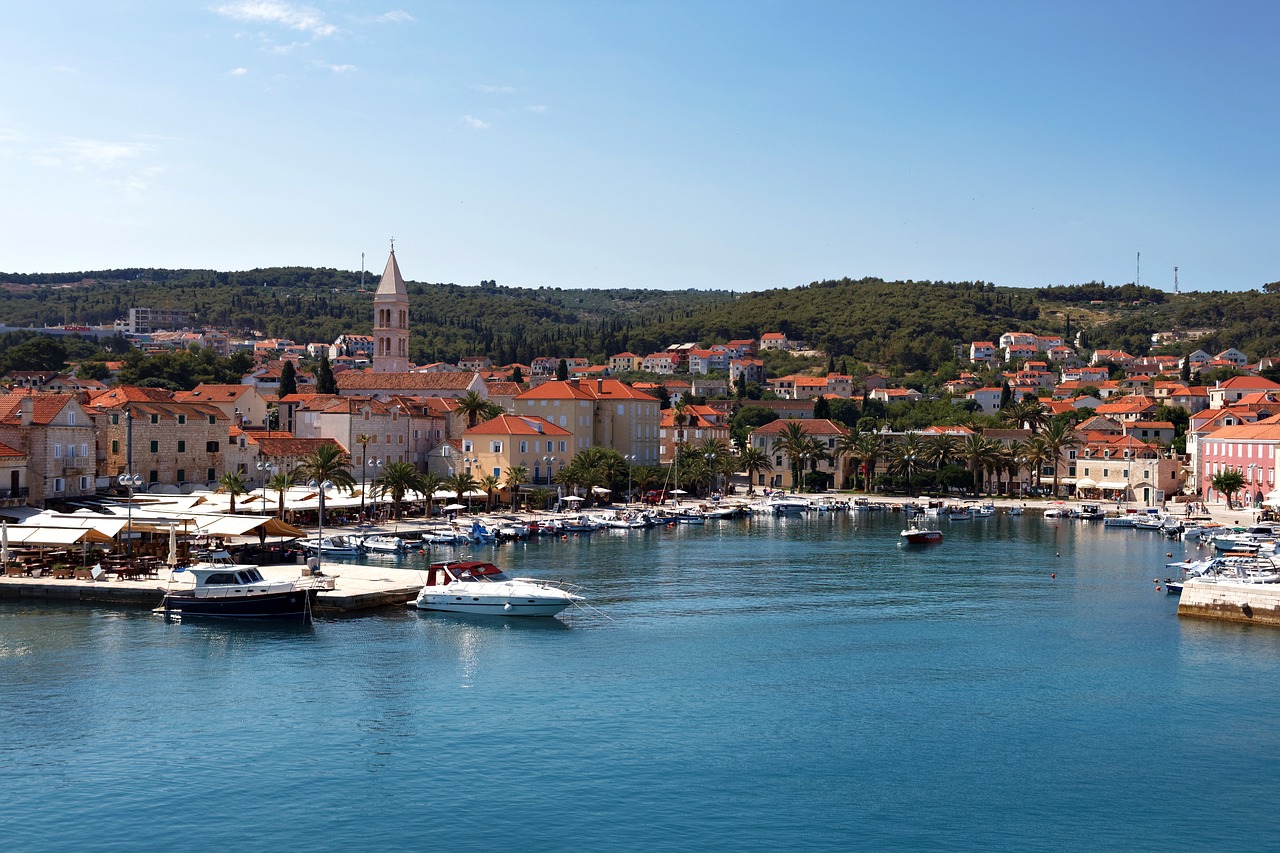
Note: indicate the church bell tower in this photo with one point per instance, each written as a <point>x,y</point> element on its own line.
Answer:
<point>391,321</point>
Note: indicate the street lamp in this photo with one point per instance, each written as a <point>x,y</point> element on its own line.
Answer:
<point>364,470</point>
<point>804,461</point>
<point>631,460</point>
<point>130,482</point>
<point>321,489</point>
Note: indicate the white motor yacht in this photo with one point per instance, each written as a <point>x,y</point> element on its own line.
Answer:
<point>471,586</point>
<point>334,546</point>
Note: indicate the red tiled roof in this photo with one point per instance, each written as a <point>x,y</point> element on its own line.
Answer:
<point>517,425</point>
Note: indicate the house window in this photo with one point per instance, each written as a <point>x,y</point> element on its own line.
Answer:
<point>115,446</point>
<point>84,483</point>
<point>59,485</point>
<point>213,420</point>
<point>182,447</point>
<point>466,447</point>
<point>115,418</point>
<point>71,418</point>
<point>182,419</point>
<point>153,477</point>
<point>84,450</point>
<point>182,475</point>
<point>155,447</point>
<point>495,447</point>
<point>551,447</point>
<point>564,447</point>
<point>209,475</point>
<point>57,451</point>
<point>524,447</point>
<point>155,419</point>
<point>211,447</point>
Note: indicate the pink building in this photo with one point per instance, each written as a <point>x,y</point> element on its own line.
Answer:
<point>1247,448</point>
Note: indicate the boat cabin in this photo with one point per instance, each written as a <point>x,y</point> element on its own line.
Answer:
<point>443,574</point>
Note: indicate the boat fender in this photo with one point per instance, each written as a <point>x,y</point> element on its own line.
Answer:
<point>507,606</point>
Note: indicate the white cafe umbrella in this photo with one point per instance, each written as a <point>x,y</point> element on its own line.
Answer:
<point>4,543</point>
<point>1272,499</point>
<point>173,544</point>
<point>454,507</point>
<point>571,499</point>
<point>677,492</point>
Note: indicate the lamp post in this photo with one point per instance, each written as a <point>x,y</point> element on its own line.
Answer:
<point>471,469</point>
<point>364,475</point>
<point>321,488</point>
<point>264,473</point>
<point>804,461</point>
<point>631,460</point>
<point>130,482</point>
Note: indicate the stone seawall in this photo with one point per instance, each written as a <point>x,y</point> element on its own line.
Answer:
<point>1254,603</point>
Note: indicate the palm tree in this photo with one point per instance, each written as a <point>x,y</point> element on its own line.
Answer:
<point>909,457</point>
<point>397,479</point>
<point>846,448</point>
<point>939,451</point>
<point>792,442</point>
<point>472,405</point>
<point>1035,452</point>
<point>279,483</point>
<point>327,463</point>
<point>754,461</point>
<point>490,484</point>
<point>233,483</point>
<point>430,484</point>
<point>462,483</point>
<point>1059,436</point>
<point>867,451</point>
<point>979,452</point>
<point>517,476</point>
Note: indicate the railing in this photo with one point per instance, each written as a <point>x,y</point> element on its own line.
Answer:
<point>6,494</point>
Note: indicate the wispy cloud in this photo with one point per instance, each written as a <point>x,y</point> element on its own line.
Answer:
<point>475,123</point>
<point>95,153</point>
<point>536,108</point>
<point>396,17</point>
<point>498,90</point>
<point>237,72</point>
<point>336,69</point>
<point>290,15</point>
<point>64,69</point>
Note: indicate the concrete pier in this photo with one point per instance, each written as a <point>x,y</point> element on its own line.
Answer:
<point>355,588</point>
<point>1254,603</point>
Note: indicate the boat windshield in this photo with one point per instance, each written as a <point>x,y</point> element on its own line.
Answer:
<point>249,576</point>
<point>483,573</point>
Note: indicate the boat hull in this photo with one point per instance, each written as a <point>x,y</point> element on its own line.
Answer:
<point>922,537</point>
<point>291,605</point>
<point>483,606</point>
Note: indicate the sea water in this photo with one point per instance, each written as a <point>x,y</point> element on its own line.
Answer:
<point>798,683</point>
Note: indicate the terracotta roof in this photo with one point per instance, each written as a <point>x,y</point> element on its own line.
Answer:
<point>45,407</point>
<point>602,389</point>
<point>8,452</point>
<point>291,446</point>
<point>517,425</point>
<point>504,389</point>
<point>213,393</point>
<point>356,380</point>
<point>122,394</point>
<point>811,426</point>
<point>1255,382</point>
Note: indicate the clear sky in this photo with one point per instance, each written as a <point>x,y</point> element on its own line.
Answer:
<point>736,145</point>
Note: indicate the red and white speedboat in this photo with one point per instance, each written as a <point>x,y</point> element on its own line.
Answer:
<point>471,586</point>
<point>920,536</point>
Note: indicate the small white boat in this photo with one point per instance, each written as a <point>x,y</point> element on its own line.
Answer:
<point>383,544</point>
<point>336,546</point>
<point>470,586</point>
<point>1015,510</point>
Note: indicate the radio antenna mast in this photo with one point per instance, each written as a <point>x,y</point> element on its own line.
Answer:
<point>1137,276</point>
<point>1175,280</point>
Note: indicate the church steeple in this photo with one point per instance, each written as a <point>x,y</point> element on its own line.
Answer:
<point>391,320</point>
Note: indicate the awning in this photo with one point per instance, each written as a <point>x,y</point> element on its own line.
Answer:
<point>1086,483</point>
<point>239,525</point>
<point>1113,484</point>
<point>43,535</point>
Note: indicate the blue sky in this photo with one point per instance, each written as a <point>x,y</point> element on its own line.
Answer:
<point>731,145</point>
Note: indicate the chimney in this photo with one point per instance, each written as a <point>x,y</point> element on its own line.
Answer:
<point>599,385</point>
<point>26,410</point>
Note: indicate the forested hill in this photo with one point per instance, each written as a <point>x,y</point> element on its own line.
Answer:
<point>905,326</point>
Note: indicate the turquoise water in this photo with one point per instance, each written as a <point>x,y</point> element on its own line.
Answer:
<point>793,684</point>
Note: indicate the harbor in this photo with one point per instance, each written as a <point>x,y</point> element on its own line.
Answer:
<point>1021,681</point>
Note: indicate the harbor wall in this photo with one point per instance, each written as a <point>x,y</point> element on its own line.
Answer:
<point>1251,603</point>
